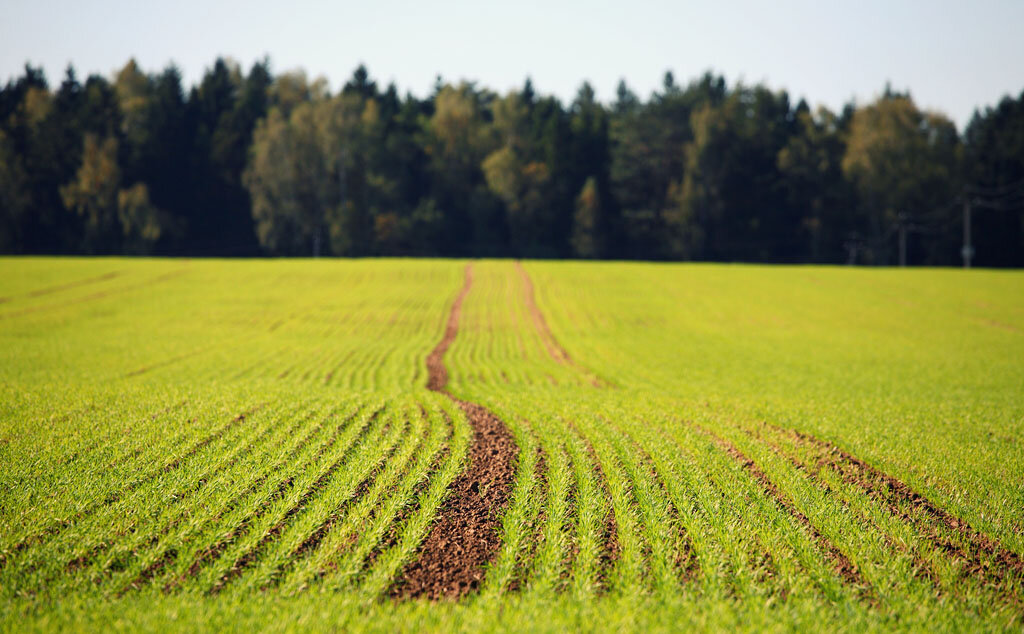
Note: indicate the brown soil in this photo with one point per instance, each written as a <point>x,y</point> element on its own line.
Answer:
<point>60,287</point>
<point>554,348</point>
<point>840,562</point>
<point>94,296</point>
<point>437,373</point>
<point>983,556</point>
<point>464,537</point>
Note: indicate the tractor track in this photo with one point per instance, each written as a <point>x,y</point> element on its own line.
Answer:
<point>465,535</point>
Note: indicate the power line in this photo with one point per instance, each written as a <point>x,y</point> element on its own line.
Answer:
<point>995,191</point>
<point>1005,198</point>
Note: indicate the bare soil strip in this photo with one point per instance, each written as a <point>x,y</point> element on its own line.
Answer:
<point>464,537</point>
<point>61,287</point>
<point>99,295</point>
<point>984,556</point>
<point>840,562</point>
<point>554,348</point>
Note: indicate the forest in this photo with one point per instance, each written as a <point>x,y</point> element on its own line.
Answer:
<point>253,163</point>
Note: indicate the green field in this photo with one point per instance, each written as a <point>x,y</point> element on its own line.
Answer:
<point>251,444</point>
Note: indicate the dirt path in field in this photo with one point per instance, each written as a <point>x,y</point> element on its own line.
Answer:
<point>39,292</point>
<point>555,350</point>
<point>94,296</point>
<point>465,536</point>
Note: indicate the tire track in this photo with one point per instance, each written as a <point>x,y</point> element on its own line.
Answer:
<point>63,287</point>
<point>555,349</point>
<point>984,557</point>
<point>100,295</point>
<point>464,537</point>
<point>841,564</point>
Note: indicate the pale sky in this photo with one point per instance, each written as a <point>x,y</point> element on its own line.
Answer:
<point>952,55</point>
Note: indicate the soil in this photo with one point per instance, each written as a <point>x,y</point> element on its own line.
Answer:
<point>94,296</point>
<point>465,536</point>
<point>61,287</point>
<point>554,348</point>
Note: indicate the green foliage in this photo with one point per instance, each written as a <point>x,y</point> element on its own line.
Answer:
<point>93,193</point>
<point>696,171</point>
<point>141,222</point>
<point>15,199</point>
<point>901,160</point>
<point>587,235</point>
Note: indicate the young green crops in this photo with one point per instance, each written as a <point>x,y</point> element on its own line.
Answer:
<point>230,444</point>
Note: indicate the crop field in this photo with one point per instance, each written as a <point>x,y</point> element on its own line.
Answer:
<point>494,445</point>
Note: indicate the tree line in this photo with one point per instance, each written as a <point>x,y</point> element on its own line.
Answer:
<point>251,163</point>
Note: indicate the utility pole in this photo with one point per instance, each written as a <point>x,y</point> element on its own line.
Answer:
<point>967,252</point>
<point>903,239</point>
<point>851,245</point>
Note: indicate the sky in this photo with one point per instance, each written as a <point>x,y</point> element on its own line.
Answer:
<point>953,56</point>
